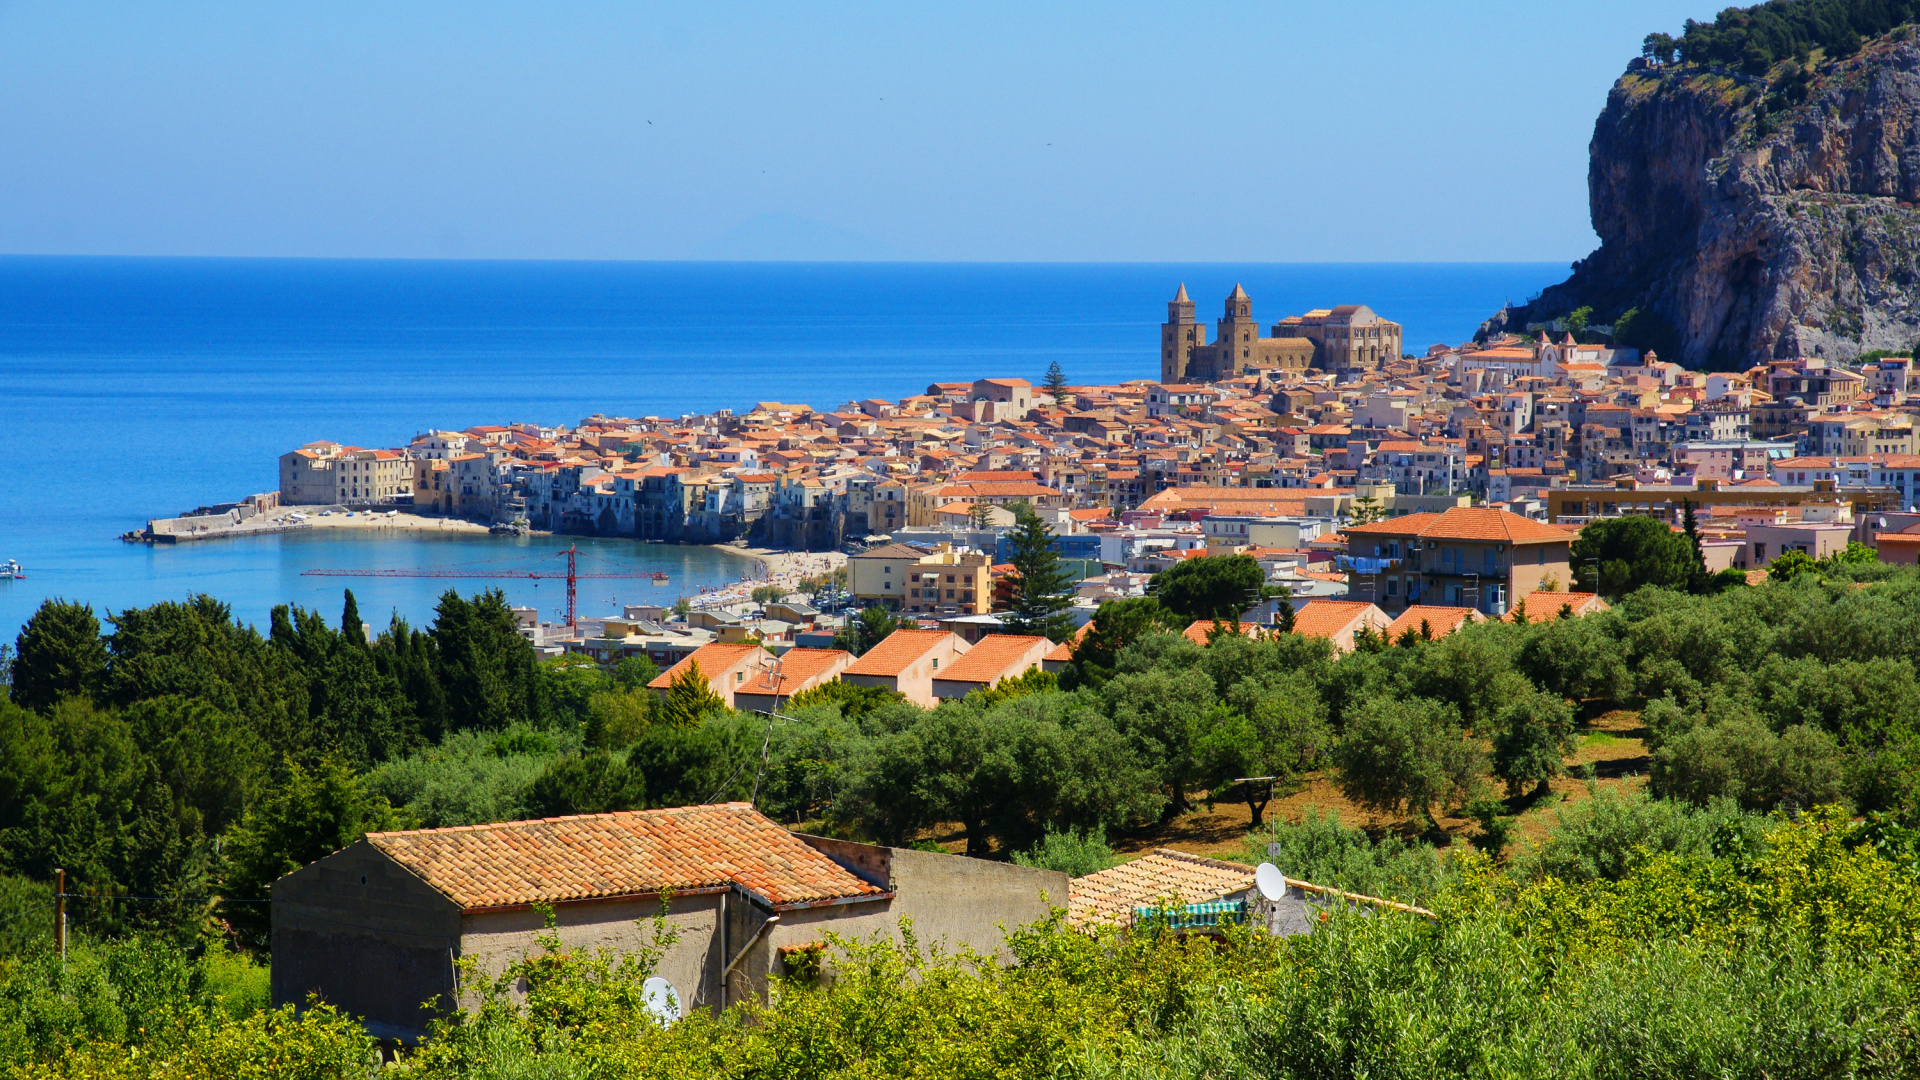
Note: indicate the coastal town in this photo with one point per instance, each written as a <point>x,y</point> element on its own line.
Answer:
<point>1270,442</point>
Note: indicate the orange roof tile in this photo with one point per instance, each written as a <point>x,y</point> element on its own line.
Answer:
<point>1325,618</point>
<point>1198,630</point>
<point>991,657</point>
<point>1466,523</point>
<point>898,652</point>
<point>1440,621</point>
<point>714,658</point>
<point>631,853</point>
<point>1545,605</point>
<point>797,668</point>
<point>1166,876</point>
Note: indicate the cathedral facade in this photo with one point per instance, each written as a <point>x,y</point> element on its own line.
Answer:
<point>1336,339</point>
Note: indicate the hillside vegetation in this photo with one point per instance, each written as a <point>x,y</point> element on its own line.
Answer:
<point>1749,912</point>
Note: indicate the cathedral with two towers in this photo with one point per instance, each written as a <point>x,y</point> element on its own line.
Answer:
<point>1345,338</point>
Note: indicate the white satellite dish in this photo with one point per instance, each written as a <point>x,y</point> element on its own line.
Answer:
<point>1270,881</point>
<point>661,999</point>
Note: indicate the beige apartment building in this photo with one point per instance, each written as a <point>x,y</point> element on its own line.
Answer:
<point>328,474</point>
<point>908,662</point>
<point>908,579</point>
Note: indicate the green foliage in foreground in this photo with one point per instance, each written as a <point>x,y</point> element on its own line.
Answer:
<point>1794,958</point>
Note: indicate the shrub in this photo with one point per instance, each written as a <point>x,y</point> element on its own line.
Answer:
<point>1318,848</point>
<point>472,777</point>
<point>1072,852</point>
<point>1595,838</point>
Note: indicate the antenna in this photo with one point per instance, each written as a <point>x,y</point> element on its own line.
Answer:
<point>658,997</point>
<point>1270,881</point>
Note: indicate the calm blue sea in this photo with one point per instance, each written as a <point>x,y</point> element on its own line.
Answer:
<point>139,388</point>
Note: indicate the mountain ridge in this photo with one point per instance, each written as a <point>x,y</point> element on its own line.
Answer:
<point>1745,217</point>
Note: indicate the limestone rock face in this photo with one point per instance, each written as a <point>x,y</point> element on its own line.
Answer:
<point>1759,219</point>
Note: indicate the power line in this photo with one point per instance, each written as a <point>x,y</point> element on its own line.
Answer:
<point>160,899</point>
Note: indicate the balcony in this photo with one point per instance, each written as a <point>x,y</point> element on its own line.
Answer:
<point>1355,564</point>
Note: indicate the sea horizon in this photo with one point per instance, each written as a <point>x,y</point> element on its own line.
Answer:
<point>144,386</point>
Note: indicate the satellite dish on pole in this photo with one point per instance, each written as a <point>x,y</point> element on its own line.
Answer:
<point>1270,881</point>
<point>661,999</point>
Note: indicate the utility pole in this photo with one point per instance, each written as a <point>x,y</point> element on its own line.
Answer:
<point>60,913</point>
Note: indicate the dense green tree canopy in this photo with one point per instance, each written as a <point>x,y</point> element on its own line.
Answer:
<point>1628,553</point>
<point>1219,587</point>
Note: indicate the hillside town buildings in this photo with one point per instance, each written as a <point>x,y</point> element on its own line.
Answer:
<point>1276,443</point>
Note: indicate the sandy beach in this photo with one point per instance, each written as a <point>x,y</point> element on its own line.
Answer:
<point>783,568</point>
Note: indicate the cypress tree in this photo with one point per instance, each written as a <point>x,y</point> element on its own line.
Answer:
<point>690,698</point>
<point>1043,590</point>
<point>1697,581</point>
<point>352,630</point>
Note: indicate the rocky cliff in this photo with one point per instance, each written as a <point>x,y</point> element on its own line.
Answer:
<point>1756,216</point>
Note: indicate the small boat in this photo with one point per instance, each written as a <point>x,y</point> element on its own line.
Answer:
<point>12,570</point>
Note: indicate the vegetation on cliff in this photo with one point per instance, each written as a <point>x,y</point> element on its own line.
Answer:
<point>1753,39</point>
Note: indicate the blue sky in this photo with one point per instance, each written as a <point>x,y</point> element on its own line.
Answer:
<point>1350,131</point>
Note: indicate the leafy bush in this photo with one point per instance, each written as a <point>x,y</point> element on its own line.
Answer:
<point>1319,849</point>
<point>1072,852</point>
<point>1595,839</point>
<point>471,778</point>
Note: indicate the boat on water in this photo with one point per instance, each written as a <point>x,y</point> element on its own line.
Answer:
<point>12,569</point>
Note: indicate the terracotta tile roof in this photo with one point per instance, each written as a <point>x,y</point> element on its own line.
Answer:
<point>899,651</point>
<point>1466,523</point>
<point>1267,501</point>
<point>1198,630</point>
<point>798,668</point>
<point>994,656</point>
<point>1166,876</point>
<point>632,853</point>
<point>714,658</point>
<point>1441,621</point>
<point>1547,605</point>
<point>1325,618</point>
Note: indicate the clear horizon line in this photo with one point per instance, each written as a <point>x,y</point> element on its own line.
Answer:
<point>791,262</point>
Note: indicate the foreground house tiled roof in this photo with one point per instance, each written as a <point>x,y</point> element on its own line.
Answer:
<point>1166,876</point>
<point>797,668</point>
<point>689,849</point>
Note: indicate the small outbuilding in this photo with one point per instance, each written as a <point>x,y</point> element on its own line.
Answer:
<point>378,929</point>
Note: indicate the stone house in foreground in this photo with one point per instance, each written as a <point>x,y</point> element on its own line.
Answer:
<point>378,928</point>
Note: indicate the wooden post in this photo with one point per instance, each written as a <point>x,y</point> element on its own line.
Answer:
<point>60,912</point>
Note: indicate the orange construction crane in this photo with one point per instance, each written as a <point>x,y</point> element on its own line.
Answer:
<point>572,575</point>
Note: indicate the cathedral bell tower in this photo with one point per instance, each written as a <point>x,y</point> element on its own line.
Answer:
<point>1236,334</point>
<point>1180,335</point>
